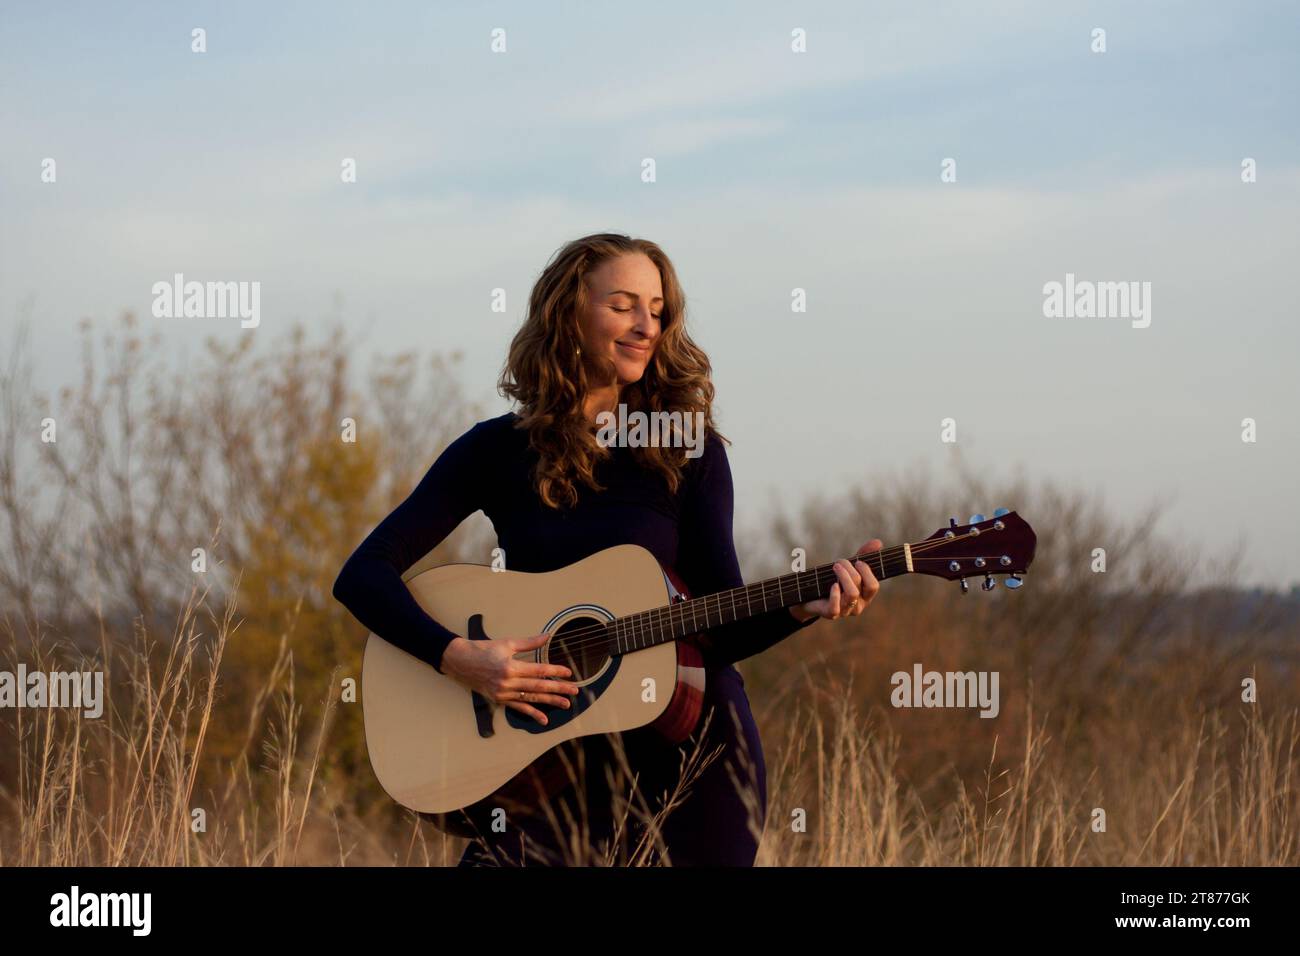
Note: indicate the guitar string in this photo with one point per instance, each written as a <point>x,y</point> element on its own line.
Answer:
<point>578,638</point>
<point>716,602</point>
<point>592,635</point>
<point>609,632</point>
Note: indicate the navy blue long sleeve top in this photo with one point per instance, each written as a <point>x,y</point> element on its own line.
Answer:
<point>489,468</point>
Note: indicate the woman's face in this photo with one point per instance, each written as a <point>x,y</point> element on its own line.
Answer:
<point>624,301</point>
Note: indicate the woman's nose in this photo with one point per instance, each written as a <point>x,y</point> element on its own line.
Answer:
<point>645,321</point>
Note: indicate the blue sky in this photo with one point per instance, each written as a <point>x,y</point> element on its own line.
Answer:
<point>775,170</point>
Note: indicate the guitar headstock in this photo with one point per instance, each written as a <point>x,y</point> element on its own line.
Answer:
<point>983,547</point>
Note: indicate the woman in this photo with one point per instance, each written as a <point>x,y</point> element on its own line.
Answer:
<point>605,326</point>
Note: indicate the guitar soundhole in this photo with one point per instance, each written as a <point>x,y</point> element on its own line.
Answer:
<point>575,646</point>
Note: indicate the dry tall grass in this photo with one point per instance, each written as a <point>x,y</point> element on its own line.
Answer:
<point>227,738</point>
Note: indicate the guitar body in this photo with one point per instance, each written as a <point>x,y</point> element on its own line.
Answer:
<point>629,633</point>
<point>436,747</point>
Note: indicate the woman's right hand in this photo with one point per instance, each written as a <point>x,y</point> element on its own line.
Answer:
<point>490,668</point>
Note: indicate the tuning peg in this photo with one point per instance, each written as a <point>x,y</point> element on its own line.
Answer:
<point>964,586</point>
<point>999,512</point>
<point>976,519</point>
<point>952,522</point>
<point>989,584</point>
<point>1014,582</point>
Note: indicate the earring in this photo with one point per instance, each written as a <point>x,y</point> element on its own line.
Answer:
<point>578,350</point>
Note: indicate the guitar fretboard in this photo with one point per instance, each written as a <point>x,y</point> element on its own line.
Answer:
<point>674,621</point>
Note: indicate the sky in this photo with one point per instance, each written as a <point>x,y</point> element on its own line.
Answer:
<point>775,170</point>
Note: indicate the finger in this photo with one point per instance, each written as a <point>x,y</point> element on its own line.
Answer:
<point>557,688</point>
<point>847,583</point>
<point>527,643</point>
<point>522,696</point>
<point>870,583</point>
<point>536,699</point>
<point>530,669</point>
<point>875,544</point>
<point>869,587</point>
<point>524,644</point>
<point>549,670</point>
<point>833,602</point>
<point>852,605</point>
<point>838,601</point>
<point>530,711</point>
<point>851,576</point>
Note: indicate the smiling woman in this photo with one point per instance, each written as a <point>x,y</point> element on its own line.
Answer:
<point>606,324</point>
<point>605,327</point>
<point>620,323</point>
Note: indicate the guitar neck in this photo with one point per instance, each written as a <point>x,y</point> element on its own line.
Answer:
<point>674,621</point>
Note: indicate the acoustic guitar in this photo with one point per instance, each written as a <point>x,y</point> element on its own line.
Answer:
<point>628,630</point>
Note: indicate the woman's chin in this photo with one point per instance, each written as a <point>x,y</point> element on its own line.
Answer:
<point>630,372</point>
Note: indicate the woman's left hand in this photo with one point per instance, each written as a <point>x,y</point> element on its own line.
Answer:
<point>855,588</point>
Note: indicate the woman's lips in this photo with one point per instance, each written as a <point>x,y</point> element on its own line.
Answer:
<point>633,349</point>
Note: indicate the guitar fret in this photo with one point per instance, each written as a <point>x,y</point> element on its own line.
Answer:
<point>658,625</point>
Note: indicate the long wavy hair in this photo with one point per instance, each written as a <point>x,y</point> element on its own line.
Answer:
<point>549,379</point>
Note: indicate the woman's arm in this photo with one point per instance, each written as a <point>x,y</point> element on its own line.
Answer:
<point>707,562</point>
<point>370,584</point>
